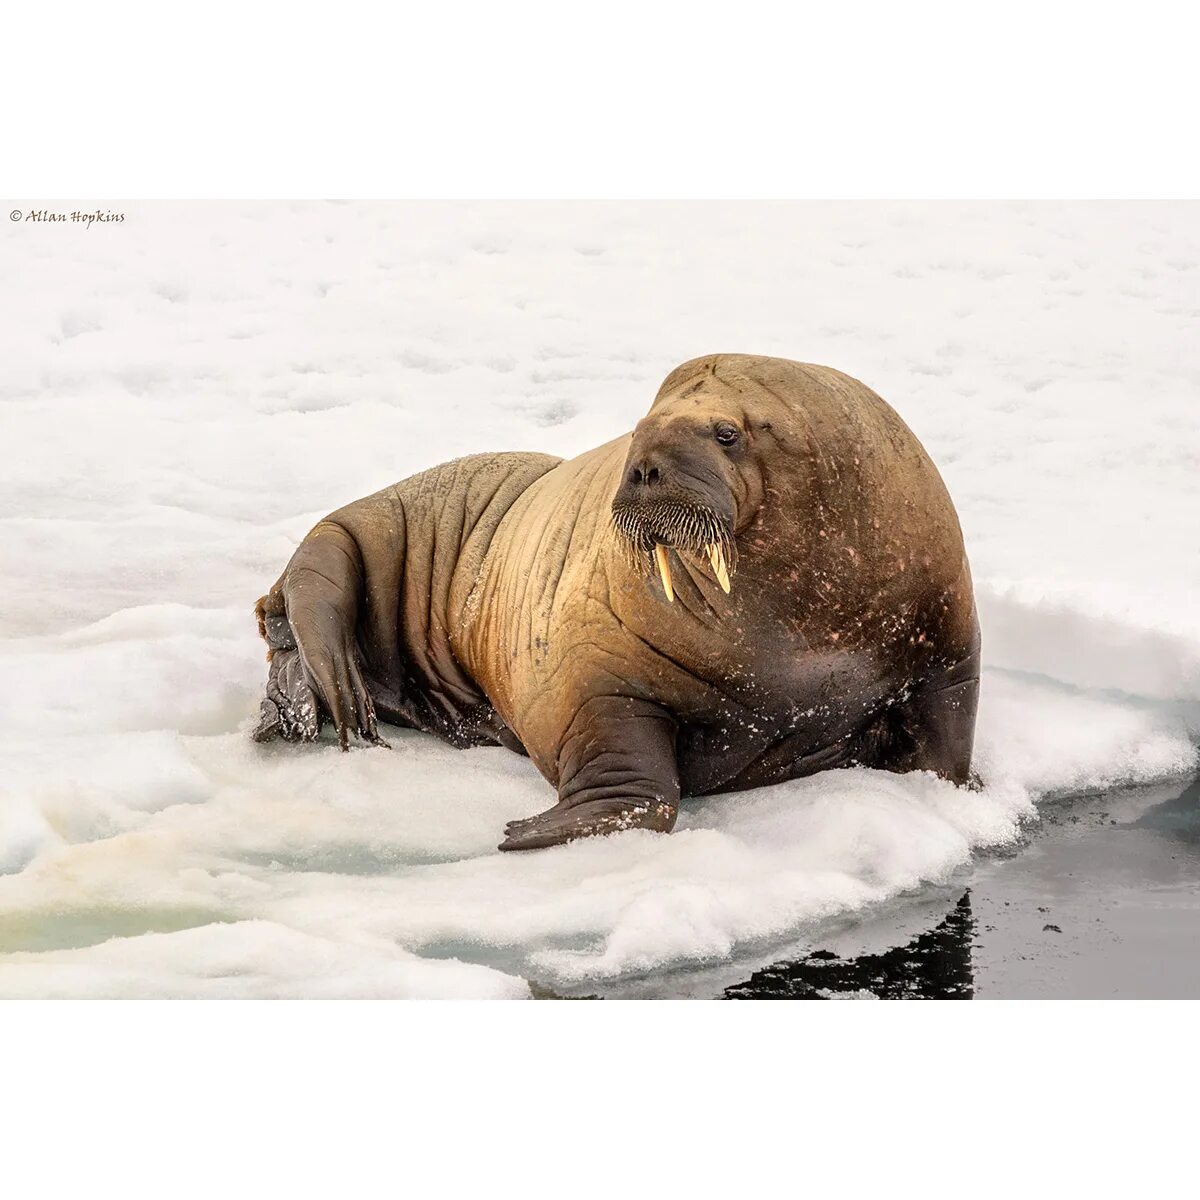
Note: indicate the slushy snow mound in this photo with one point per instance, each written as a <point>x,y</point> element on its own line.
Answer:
<point>185,393</point>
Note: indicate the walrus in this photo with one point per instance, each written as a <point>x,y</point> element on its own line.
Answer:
<point>765,579</point>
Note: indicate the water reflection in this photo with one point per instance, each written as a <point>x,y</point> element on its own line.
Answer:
<point>1178,818</point>
<point>936,965</point>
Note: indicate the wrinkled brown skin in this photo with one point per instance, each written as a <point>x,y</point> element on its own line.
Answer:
<point>491,600</point>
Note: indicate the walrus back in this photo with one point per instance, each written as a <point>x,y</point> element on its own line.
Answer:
<point>447,516</point>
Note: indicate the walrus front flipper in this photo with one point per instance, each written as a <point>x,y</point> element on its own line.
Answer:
<point>308,620</point>
<point>617,770</point>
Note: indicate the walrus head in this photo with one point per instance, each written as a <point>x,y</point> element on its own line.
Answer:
<point>688,484</point>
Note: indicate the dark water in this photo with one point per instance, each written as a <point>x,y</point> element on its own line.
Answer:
<point>1102,900</point>
<point>935,965</point>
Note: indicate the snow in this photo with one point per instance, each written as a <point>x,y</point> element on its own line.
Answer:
<point>185,393</point>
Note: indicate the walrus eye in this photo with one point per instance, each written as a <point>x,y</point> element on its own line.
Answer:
<point>726,433</point>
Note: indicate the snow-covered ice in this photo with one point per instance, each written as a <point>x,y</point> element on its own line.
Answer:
<point>184,394</point>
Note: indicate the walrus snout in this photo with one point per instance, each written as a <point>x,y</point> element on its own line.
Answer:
<point>657,481</point>
<point>645,474</point>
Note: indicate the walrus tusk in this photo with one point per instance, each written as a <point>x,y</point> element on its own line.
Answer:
<point>716,556</point>
<point>664,569</point>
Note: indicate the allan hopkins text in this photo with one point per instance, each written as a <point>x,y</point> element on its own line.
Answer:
<point>87,219</point>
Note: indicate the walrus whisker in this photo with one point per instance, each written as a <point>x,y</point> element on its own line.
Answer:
<point>647,530</point>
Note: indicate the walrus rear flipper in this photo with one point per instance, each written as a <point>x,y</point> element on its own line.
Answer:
<point>290,709</point>
<point>933,729</point>
<point>308,621</point>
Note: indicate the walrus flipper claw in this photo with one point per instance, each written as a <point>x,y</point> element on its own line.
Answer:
<point>336,671</point>
<point>569,822</point>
